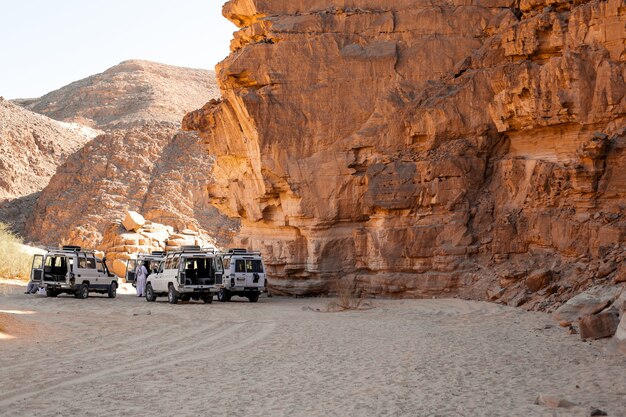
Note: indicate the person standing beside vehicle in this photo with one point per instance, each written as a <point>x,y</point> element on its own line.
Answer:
<point>141,274</point>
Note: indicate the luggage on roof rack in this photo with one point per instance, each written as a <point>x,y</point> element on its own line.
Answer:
<point>237,250</point>
<point>157,253</point>
<point>71,248</point>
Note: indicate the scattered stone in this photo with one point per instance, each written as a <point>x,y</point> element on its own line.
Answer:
<point>553,402</point>
<point>597,412</point>
<point>599,325</point>
<point>538,279</point>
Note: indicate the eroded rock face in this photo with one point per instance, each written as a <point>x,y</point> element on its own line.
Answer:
<point>425,148</point>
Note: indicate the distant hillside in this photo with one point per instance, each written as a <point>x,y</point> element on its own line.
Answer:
<point>32,147</point>
<point>130,91</point>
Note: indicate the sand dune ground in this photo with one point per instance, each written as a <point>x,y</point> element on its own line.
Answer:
<point>280,357</point>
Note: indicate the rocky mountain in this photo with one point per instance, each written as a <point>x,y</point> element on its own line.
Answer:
<point>149,167</point>
<point>141,162</point>
<point>33,146</point>
<point>131,91</point>
<point>424,148</point>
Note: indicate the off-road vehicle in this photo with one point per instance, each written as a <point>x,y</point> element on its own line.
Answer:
<point>244,275</point>
<point>73,270</point>
<point>191,273</point>
<point>154,259</point>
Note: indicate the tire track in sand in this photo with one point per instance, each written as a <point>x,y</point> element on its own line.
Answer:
<point>124,369</point>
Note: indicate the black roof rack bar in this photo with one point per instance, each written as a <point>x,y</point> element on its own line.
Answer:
<point>74,249</point>
<point>242,252</point>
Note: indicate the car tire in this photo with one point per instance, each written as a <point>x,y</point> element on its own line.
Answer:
<point>254,297</point>
<point>185,297</point>
<point>208,299</point>
<point>150,295</point>
<point>223,295</point>
<point>112,293</point>
<point>83,292</point>
<point>172,295</point>
<point>51,293</point>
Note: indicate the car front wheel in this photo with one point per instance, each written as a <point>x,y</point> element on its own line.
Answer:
<point>172,295</point>
<point>83,291</point>
<point>113,290</point>
<point>150,295</point>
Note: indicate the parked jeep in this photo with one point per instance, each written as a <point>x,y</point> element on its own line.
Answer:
<point>244,275</point>
<point>73,270</point>
<point>155,262</point>
<point>191,273</point>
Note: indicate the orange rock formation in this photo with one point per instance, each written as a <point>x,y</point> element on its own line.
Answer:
<point>424,148</point>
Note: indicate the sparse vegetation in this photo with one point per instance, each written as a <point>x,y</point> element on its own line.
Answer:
<point>349,297</point>
<point>14,262</point>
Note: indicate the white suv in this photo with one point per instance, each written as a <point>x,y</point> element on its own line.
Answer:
<point>154,259</point>
<point>191,273</point>
<point>72,270</point>
<point>244,275</point>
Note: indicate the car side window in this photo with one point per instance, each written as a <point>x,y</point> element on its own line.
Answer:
<point>82,262</point>
<point>91,263</point>
<point>218,264</point>
<point>100,266</point>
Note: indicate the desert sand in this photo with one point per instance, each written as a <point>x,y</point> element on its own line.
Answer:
<point>282,357</point>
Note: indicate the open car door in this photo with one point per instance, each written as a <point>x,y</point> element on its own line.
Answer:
<point>36,272</point>
<point>131,266</point>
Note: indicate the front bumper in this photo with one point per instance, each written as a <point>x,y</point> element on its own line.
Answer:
<point>199,289</point>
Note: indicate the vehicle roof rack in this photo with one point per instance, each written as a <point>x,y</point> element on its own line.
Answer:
<point>157,253</point>
<point>238,251</point>
<point>70,248</point>
<point>192,249</point>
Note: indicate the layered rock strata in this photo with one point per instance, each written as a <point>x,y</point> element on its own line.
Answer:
<point>424,148</point>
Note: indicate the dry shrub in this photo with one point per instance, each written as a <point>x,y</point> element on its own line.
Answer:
<point>14,262</point>
<point>349,297</point>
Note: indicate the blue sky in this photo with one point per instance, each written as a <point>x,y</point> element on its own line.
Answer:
<point>46,44</point>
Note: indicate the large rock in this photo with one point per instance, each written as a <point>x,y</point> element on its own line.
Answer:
<point>119,246</point>
<point>133,221</point>
<point>598,326</point>
<point>350,146</point>
<point>587,303</point>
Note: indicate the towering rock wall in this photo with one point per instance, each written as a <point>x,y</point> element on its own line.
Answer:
<point>425,147</point>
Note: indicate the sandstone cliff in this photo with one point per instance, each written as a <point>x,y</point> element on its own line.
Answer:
<point>130,91</point>
<point>425,148</point>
